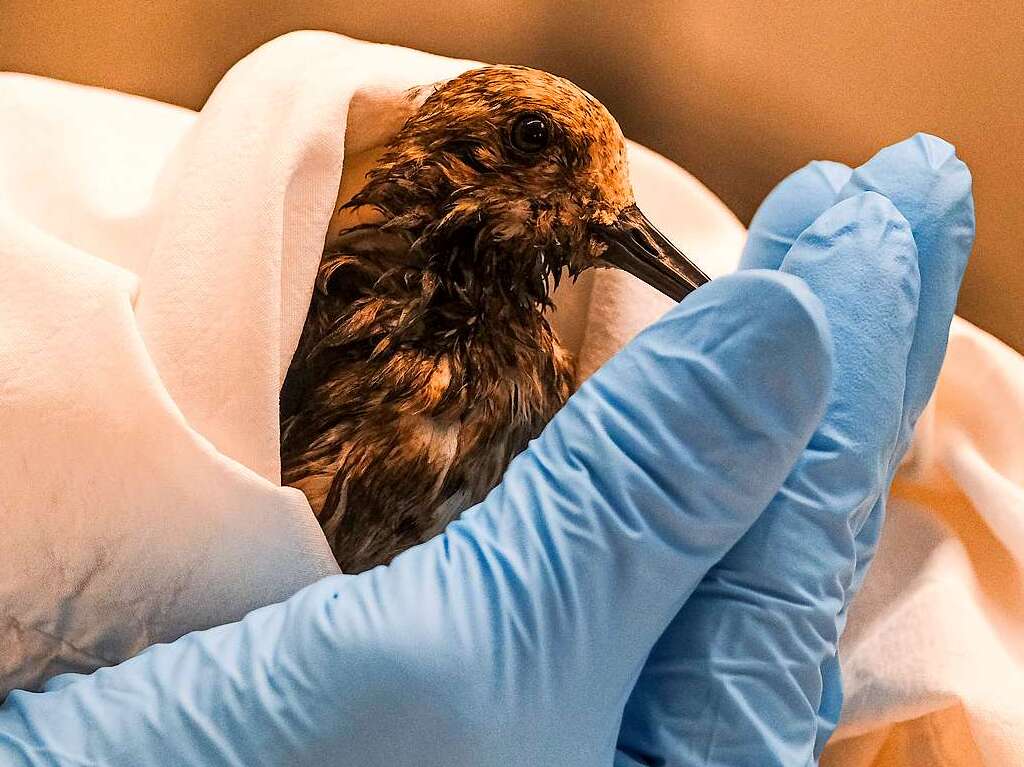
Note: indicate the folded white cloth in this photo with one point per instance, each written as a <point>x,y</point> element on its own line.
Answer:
<point>156,267</point>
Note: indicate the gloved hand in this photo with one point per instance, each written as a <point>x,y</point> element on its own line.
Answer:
<point>747,674</point>
<point>516,636</point>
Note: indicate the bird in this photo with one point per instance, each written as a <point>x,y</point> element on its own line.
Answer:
<point>426,362</point>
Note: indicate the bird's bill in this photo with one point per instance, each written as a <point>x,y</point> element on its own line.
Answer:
<point>636,246</point>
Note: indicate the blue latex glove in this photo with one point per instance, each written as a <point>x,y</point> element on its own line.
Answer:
<point>747,674</point>
<point>516,637</point>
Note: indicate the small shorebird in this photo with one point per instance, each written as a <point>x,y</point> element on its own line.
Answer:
<point>426,363</point>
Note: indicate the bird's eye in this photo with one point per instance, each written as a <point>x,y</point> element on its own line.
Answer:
<point>531,132</point>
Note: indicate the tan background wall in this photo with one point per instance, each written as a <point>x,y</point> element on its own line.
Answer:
<point>740,93</point>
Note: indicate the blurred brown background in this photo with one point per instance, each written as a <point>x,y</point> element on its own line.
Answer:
<point>739,93</point>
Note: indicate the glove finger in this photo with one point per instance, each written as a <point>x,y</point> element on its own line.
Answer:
<point>931,187</point>
<point>861,258</point>
<point>735,678</point>
<point>789,209</point>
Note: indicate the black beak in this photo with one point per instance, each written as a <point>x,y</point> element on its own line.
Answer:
<point>636,246</point>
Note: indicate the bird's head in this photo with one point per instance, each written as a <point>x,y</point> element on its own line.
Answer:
<point>510,176</point>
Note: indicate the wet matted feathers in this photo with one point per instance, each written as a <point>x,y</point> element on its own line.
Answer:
<point>426,363</point>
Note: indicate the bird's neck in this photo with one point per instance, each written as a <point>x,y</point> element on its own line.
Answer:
<point>456,236</point>
<point>459,306</point>
<point>386,288</point>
